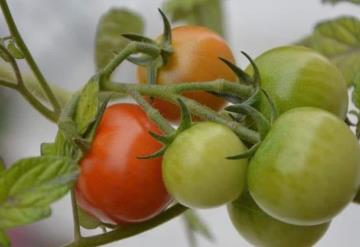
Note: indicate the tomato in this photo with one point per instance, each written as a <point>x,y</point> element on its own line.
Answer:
<point>296,76</point>
<point>196,171</point>
<point>195,59</point>
<point>114,185</point>
<point>307,169</point>
<point>261,230</point>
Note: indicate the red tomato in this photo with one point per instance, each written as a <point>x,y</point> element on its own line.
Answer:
<point>114,185</point>
<point>195,59</point>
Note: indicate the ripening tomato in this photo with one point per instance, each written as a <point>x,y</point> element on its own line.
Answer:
<point>114,185</point>
<point>296,76</point>
<point>307,169</point>
<point>261,230</point>
<point>196,170</point>
<point>195,59</point>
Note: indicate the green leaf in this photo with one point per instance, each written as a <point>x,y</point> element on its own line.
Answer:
<point>339,40</point>
<point>62,147</point>
<point>338,1</point>
<point>194,224</point>
<point>206,13</point>
<point>14,50</point>
<point>356,91</point>
<point>87,106</point>
<point>30,186</point>
<point>109,39</point>
<point>4,239</point>
<point>2,165</point>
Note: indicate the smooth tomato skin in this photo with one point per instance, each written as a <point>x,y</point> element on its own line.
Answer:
<point>307,169</point>
<point>296,76</point>
<point>196,171</point>
<point>195,59</point>
<point>114,185</point>
<point>261,230</point>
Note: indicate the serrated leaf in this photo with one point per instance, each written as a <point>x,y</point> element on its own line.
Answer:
<point>4,239</point>
<point>30,186</point>
<point>87,106</point>
<point>198,12</point>
<point>14,50</point>
<point>109,38</point>
<point>339,40</point>
<point>339,1</point>
<point>356,91</point>
<point>87,221</point>
<point>194,224</point>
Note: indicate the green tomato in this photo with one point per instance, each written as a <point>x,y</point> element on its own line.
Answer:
<point>296,76</point>
<point>195,169</point>
<point>261,230</point>
<point>307,169</point>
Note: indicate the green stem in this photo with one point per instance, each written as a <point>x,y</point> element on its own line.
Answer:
<point>132,48</point>
<point>28,57</point>
<point>151,112</point>
<point>169,92</point>
<point>77,232</point>
<point>129,230</point>
<point>20,87</point>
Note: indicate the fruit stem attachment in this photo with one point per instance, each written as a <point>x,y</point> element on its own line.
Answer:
<point>28,57</point>
<point>170,93</point>
<point>127,231</point>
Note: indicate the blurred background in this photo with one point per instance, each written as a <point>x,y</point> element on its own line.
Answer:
<point>61,36</point>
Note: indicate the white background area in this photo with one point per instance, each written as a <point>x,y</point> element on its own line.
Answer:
<point>60,34</point>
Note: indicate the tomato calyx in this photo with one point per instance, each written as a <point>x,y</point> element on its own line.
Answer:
<point>153,64</point>
<point>166,140</point>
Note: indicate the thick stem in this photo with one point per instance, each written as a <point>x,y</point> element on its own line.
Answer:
<point>28,57</point>
<point>152,113</point>
<point>168,92</point>
<point>130,230</point>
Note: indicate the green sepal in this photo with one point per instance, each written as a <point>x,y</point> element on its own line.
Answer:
<point>274,111</point>
<point>247,154</point>
<point>138,38</point>
<point>256,77</point>
<point>262,123</point>
<point>142,60</point>
<point>242,75</point>
<point>86,220</point>
<point>166,140</point>
<point>166,39</point>
<point>185,122</point>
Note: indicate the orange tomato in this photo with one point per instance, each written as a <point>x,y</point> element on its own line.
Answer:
<point>195,59</point>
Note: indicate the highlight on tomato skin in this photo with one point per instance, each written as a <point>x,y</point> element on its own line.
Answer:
<point>195,58</point>
<point>114,185</point>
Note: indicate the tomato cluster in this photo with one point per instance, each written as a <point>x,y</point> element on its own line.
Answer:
<point>304,172</point>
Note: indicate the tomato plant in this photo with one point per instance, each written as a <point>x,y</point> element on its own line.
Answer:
<point>262,230</point>
<point>307,169</point>
<point>196,170</point>
<point>296,76</point>
<point>114,185</point>
<point>195,58</point>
